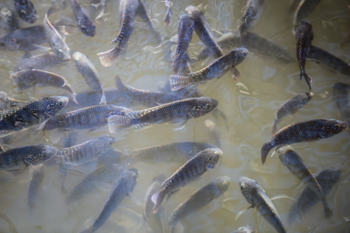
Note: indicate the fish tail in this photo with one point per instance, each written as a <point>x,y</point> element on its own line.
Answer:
<point>327,210</point>
<point>109,57</point>
<point>117,123</point>
<point>265,151</point>
<point>103,99</point>
<point>157,199</point>
<point>274,127</point>
<point>308,79</point>
<point>178,82</point>
<point>74,99</point>
<point>167,17</point>
<point>121,88</point>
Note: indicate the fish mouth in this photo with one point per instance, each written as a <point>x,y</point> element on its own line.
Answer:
<point>343,126</point>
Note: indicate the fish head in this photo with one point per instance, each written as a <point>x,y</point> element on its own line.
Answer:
<point>222,184</point>
<point>305,99</point>
<point>285,150</point>
<point>62,53</point>
<point>304,31</point>
<point>87,27</point>
<point>238,55</point>
<point>248,188</point>
<point>42,153</point>
<point>105,143</point>
<point>23,79</point>
<point>26,10</point>
<point>203,106</point>
<point>333,127</point>
<point>6,14</point>
<point>52,105</point>
<point>213,156</point>
<point>131,175</point>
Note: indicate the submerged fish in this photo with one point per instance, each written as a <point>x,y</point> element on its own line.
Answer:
<point>303,132</point>
<point>30,114</point>
<point>85,118</point>
<point>127,10</point>
<point>26,79</point>
<point>190,171</point>
<point>199,199</point>
<point>8,20</point>
<point>35,183</point>
<point>167,17</point>
<point>123,188</point>
<point>251,13</point>
<point>178,111</point>
<point>85,24</point>
<point>328,60</point>
<point>341,95</point>
<point>26,10</point>
<point>297,166</point>
<point>7,102</point>
<point>256,196</point>
<point>214,70</point>
<point>290,107</point>
<point>308,198</point>
<point>19,158</point>
<point>87,69</point>
<point>100,7</point>
<point>304,36</point>
<point>214,133</point>
<point>245,229</point>
<point>304,9</point>
<point>40,62</point>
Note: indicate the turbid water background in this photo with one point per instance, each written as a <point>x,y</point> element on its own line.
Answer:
<point>248,104</point>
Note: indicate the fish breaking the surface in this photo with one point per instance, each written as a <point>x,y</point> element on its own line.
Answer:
<point>26,10</point>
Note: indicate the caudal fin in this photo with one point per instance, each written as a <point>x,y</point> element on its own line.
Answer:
<point>265,149</point>
<point>327,210</point>
<point>178,82</point>
<point>109,57</point>
<point>117,123</point>
<point>157,199</point>
<point>308,80</point>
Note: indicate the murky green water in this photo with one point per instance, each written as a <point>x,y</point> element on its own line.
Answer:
<point>249,109</point>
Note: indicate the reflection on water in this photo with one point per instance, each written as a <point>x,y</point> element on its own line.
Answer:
<point>248,105</point>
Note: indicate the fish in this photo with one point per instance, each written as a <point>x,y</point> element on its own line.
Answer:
<point>30,114</point>
<point>144,97</point>
<point>85,23</point>
<point>185,31</point>
<point>91,117</point>
<point>54,39</point>
<point>127,9</point>
<point>167,17</point>
<point>214,133</point>
<point>19,158</point>
<point>341,96</point>
<point>87,69</point>
<point>35,184</point>
<point>296,165</point>
<point>291,106</point>
<point>39,62</point>
<point>7,102</point>
<point>105,174</point>
<point>308,198</point>
<point>328,61</point>
<point>304,9</point>
<point>101,8</point>
<point>245,229</point>
<point>190,171</point>
<point>216,69</point>
<point>8,19</point>
<point>199,199</point>
<point>257,197</point>
<point>174,112</point>
<point>251,13</point>
<point>254,43</point>
<point>305,131</point>
<point>304,36</point>
<point>179,152</point>
<point>31,78</point>
<point>123,188</point>
<point>26,10</point>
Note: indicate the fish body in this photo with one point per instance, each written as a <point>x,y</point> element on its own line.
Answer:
<point>30,114</point>
<point>35,183</point>
<point>303,132</point>
<point>142,14</point>
<point>123,188</point>
<point>177,111</point>
<point>8,20</point>
<point>199,199</point>
<point>304,9</point>
<point>190,171</point>
<point>304,36</point>
<point>26,10</point>
<point>341,95</point>
<point>290,107</point>
<point>40,62</point>
<point>21,157</point>
<point>167,17</point>
<point>25,79</point>
<point>256,196</point>
<point>308,198</point>
<point>87,69</point>
<point>85,23</point>
<point>296,165</point>
<point>245,229</point>
<point>251,13</point>
<point>214,70</point>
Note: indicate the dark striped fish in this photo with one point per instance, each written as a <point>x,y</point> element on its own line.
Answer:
<point>199,199</point>
<point>35,184</point>
<point>87,69</point>
<point>30,114</point>
<point>31,78</point>
<point>214,70</point>
<point>327,179</point>
<point>251,13</point>
<point>245,229</point>
<point>190,171</point>
<point>8,19</point>
<point>85,118</point>
<point>328,60</point>
<point>303,132</point>
<point>296,165</point>
<point>290,107</point>
<point>178,111</point>
<point>85,24</point>
<point>256,196</point>
<point>304,36</point>
<point>40,62</point>
<point>26,10</point>
<point>304,9</point>
<point>167,17</point>
<point>341,96</point>
<point>19,158</point>
<point>123,188</point>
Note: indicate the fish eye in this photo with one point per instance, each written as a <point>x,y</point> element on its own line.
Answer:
<point>193,111</point>
<point>59,103</point>
<point>207,106</point>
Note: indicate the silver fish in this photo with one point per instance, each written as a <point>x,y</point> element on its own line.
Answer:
<point>40,62</point>
<point>7,102</point>
<point>167,17</point>
<point>214,133</point>
<point>8,19</point>
<point>85,24</point>
<point>35,184</point>
<point>26,10</point>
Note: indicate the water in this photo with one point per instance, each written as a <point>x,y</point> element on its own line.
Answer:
<point>249,109</point>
